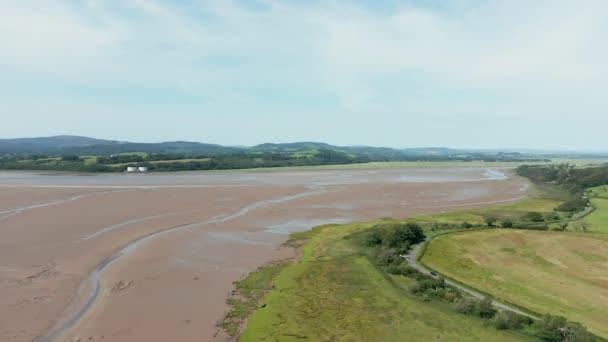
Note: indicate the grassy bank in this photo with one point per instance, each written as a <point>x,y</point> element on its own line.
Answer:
<point>337,293</point>
<point>547,272</point>
<point>247,296</point>
<point>539,199</point>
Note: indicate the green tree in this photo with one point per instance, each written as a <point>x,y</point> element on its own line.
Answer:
<point>533,217</point>
<point>466,305</point>
<point>510,320</point>
<point>491,221</point>
<point>485,309</point>
<point>558,329</point>
<point>506,224</point>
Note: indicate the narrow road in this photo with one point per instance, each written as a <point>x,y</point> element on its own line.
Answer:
<point>412,257</point>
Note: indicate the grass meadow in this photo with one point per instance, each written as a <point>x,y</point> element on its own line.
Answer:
<point>560,273</point>
<point>336,293</point>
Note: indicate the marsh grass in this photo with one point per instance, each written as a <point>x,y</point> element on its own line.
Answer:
<point>337,293</point>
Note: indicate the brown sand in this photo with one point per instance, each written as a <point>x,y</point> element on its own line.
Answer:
<point>173,286</point>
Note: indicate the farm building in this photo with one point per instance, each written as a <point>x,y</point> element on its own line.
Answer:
<point>138,169</point>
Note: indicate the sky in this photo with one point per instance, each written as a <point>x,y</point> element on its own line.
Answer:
<point>461,73</point>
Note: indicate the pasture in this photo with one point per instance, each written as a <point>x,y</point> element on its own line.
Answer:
<point>560,273</point>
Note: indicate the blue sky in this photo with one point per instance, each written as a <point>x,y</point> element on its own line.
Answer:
<point>462,73</point>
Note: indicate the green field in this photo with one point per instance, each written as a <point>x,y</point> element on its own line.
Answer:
<point>559,273</point>
<point>122,165</point>
<point>337,293</point>
<point>430,164</point>
<point>598,219</point>
<point>540,199</point>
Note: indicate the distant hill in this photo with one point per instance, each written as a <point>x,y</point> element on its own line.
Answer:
<point>48,144</point>
<point>68,145</point>
<point>296,146</point>
<point>369,151</point>
<point>77,145</point>
<point>173,147</point>
<point>83,154</point>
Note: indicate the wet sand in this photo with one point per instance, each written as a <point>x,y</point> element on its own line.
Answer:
<point>153,257</point>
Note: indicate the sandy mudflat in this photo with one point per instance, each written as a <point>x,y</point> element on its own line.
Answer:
<point>152,258</point>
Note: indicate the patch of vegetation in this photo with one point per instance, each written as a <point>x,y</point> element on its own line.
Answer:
<point>339,291</point>
<point>596,221</point>
<point>247,296</point>
<point>571,179</point>
<point>558,329</point>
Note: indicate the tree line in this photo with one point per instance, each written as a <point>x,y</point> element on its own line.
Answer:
<point>569,178</point>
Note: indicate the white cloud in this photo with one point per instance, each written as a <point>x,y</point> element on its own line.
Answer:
<point>505,40</point>
<point>506,58</point>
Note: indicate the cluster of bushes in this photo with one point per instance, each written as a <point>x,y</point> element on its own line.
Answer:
<point>575,204</point>
<point>558,329</point>
<point>481,308</point>
<point>433,288</point>
<point>507,320</point>
<point>430,288</point>
<point>547,328</point>
<point>391,240</point>
<point>490,221</point>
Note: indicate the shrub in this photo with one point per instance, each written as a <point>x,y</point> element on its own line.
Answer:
<point>491,221</point>
<point>552,216</point>
<point>415,288</point>
<point>393,268</point>
<point>465,306</point>
<point>554,329</point>
<point>374,238</point>
<point>485,309</point>
<point>510,320</point>
<point>406,270</point>
<point>470,306</point>
<point>388,256</point>
<point>452,296</point>
<point>533,217</point>
<point>573,205</point>
<point>506,224</point>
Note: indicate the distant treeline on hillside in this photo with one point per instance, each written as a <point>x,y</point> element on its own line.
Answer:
<point>182,162</point>
<point>573,180</point>
<point>83,154</point>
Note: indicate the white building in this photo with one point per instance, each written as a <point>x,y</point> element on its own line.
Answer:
<point>142,169</point>
<point>131,169</point>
